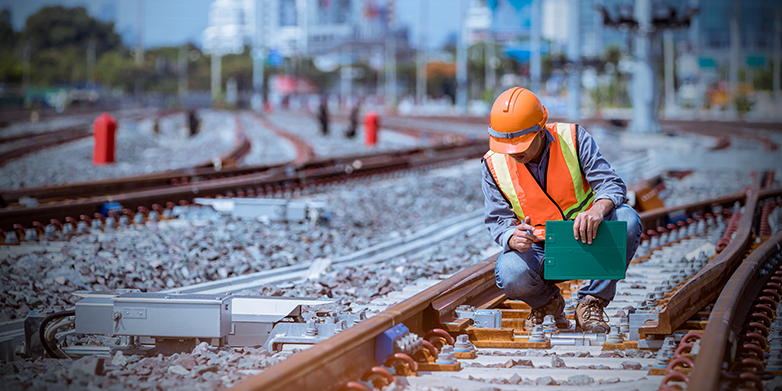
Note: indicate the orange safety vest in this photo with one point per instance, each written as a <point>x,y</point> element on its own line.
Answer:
<point>567,191</point>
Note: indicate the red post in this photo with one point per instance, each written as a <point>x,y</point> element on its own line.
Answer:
<point>371,127</point>
<point>104,128</point>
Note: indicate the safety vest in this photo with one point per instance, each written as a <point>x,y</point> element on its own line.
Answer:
<point>567,191</point>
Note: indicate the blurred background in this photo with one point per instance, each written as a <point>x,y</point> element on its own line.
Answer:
<point>689,59</point>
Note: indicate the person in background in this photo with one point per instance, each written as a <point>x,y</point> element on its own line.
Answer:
<point>323,116</point>
<point>353,125</point>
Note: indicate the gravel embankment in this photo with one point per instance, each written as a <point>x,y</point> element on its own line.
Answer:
<point>179,253</point>
<point>138,151</point>
<point>203,369</point>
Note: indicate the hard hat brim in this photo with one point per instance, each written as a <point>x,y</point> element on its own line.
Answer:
<point>511,146</point>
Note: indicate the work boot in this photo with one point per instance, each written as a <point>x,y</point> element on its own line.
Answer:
<point>591,316</point>
<point>555,306</point>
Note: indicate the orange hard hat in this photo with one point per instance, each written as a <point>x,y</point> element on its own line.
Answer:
<point>516,118</point>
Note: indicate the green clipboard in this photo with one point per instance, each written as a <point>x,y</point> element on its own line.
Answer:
<point>568,259</point>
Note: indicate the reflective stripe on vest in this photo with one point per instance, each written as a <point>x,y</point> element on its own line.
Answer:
<point>563,198</point>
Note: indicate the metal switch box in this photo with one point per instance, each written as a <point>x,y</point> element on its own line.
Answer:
<point>171,315</point>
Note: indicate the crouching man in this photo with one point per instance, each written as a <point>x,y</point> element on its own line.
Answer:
<point>535,172</point>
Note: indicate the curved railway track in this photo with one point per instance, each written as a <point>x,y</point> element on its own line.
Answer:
<point>39,141</point>
<point>265,181</point>
<point>348,361</point>
<point>142,194</point>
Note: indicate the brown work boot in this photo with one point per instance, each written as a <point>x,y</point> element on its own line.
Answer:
<point>555,306</point>
<point>590,315</point>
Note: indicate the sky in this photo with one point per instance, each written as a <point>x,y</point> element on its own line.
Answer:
<point>174,22</point>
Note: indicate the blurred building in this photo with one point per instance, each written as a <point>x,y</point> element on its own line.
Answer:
<point>509,22</point>
<point>295,27</point>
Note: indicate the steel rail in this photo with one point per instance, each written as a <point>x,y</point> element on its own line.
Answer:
<point>53,138</point>
<point>304,152</point>
<point>329,364</point>
<point>232,158</point>
<point>409,244</point>
<point>306,175</point>
<point>344,357</point>
<point>720,338</point>
<point>305,159</point>
<point>657,217</point>
<point>705,286</point>
<point>47,194</point>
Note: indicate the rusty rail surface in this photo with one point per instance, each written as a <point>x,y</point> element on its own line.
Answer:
<point>344,357</point>
<point>329,364</point>
<point>705,286</point>
<point>655,218</point>
<point>232,158</point>
<point>309,174</point>
<point>721,337</point>
<point>304,152</point>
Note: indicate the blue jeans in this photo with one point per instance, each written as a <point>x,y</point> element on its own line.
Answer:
<point>520,275</point>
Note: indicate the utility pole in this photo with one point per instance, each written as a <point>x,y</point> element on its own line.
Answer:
<point>694,38</point>
<point>182,71</point>
<point>643,119</point>
<point>420,82</point>
<point>139,32</point>
<point>91,64</point>
<point>139,44</point>
<point>391,63</point>
<point>26,66</point>
<point>536,26</point>
<point>733,72</point>
<point>346,75</point>
<point>303,23</point>
<point>670,92</point>
<point>461,61</point>
<point>258,55</point>
<point>574,58</point>
<point>491,75</point>
<point>598,29</point>
<point>777,55</point>
<point>216,76</point>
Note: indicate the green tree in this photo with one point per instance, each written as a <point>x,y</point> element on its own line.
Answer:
<point>59,38</point>
<point>10,52</point>
<point>8,36</point>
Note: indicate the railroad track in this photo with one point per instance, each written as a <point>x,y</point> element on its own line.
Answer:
<point>37,142</point>
<point>223,166</point>
<point>75,203</point>
<point>349,361</point>
<point>268,181</point>
<point>10,117</point>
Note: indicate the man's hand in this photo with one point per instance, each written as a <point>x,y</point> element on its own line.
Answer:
<point>521,240</point>
<point>585,225</point>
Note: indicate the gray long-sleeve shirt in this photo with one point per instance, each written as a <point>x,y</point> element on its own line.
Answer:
<point>499,217</point>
